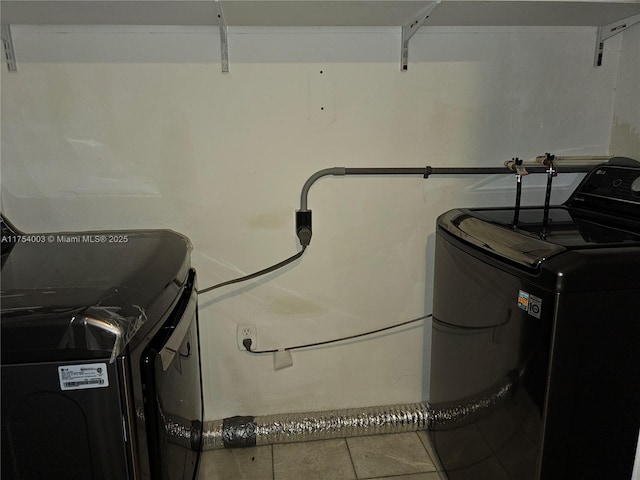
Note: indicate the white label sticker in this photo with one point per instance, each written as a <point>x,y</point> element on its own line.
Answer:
<point>535,306</point>
<point>78,377</point>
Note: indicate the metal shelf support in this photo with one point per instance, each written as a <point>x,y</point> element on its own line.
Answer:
<point>224,46</point>
<point>7,42</point>
<point>608,31</point>
<point>410,29</point>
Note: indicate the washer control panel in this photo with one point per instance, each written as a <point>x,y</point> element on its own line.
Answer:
<point>635,187</point>
<point>620,183</point>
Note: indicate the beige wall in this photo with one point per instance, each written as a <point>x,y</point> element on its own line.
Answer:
<point>114,127</point>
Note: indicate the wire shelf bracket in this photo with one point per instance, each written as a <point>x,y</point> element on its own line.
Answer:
<point>409,30</point>
<point>7,42</point>
<point>607,31</point>
<point>224,45</point>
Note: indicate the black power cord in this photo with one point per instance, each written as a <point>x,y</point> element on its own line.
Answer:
<point>247,341</point>
<point>259,273</point>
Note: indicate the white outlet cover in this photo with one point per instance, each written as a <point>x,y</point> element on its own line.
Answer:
<point>247,330</point>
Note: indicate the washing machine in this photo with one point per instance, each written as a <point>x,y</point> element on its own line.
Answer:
<point>100,356</point>
<point>535,367</point>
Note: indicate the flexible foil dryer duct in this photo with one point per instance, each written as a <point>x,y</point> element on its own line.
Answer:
<point>248,431</point>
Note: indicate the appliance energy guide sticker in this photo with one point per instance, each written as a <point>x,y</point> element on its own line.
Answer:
<point>79,377</point>
<point>530,303</point>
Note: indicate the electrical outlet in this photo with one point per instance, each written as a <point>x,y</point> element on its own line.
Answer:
<point>247,331</point>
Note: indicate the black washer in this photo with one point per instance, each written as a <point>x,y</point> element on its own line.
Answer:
<point>535,362</point>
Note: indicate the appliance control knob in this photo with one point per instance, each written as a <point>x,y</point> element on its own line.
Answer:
<point>635,186</point>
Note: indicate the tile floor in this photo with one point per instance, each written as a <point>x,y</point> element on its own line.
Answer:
<point>398,456</point>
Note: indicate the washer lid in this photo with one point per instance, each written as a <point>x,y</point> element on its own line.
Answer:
<point>566,227</point>
<point>497,239</point>
<point>532,242</point>
<point>87,294</point>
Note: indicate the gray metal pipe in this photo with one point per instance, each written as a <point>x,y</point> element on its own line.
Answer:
<point>336,171</point>
<point>303,215</point>
<point>581,164</point>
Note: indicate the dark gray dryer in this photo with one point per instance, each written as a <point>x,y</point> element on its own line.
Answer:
<point>100,356</point>
<point>536,336</point>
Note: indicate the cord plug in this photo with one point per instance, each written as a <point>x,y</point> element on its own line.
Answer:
<point>247,344</point>
<point>303,226</point>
